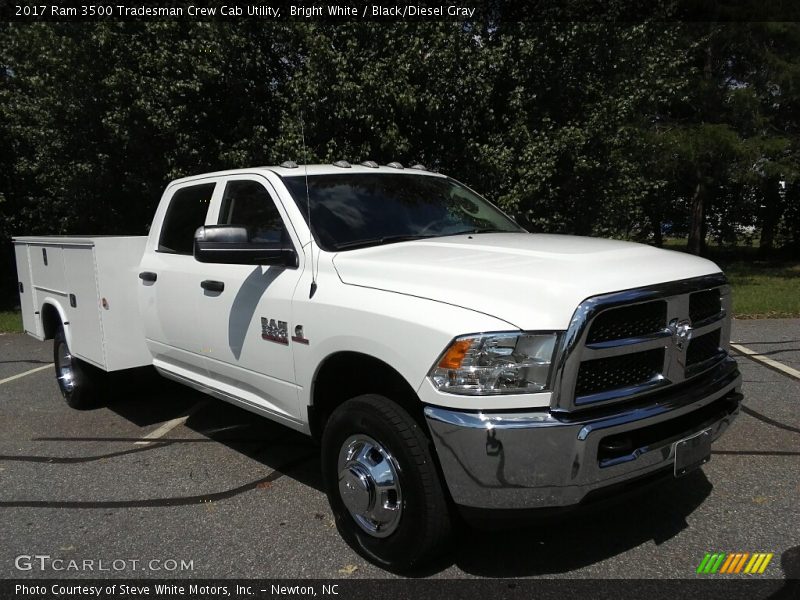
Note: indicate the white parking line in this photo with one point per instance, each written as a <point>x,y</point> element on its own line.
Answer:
<point>766,361</point>
<point>165,428</point>
<point>20,375</point>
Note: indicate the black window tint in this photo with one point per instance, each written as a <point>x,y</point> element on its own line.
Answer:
<point>248,203</point>
<point>349,209</point>
<point>187,211</point>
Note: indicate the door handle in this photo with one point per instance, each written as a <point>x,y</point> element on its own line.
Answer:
<point>212,286</point>
<point>148,276</point>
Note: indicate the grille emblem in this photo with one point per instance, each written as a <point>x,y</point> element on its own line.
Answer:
<point>681,332</point>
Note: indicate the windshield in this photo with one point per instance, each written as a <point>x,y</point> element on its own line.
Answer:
<point>352,210</point>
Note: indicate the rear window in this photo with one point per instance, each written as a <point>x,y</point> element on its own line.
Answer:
<point>186,212</point>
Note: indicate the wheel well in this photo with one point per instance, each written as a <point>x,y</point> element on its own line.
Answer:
<point>345,375</point>
<point>51,321</point>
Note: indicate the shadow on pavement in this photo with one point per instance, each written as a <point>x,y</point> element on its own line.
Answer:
<point>556,544</point>
<point>584,536</point>
<point>146,399</point>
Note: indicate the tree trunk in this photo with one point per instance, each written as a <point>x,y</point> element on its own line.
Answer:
<point>770,216</point>
<point>792,203</point>
<point>696,224</point>
<point>658,236</point>
<point>695,244</point>
<point>704,229</point>
<point>655,225</point>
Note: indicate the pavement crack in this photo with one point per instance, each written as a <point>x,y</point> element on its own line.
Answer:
<point>26,361</point>
<point>768,421</point>
<point>237,440</point>
<point>161,443</point>
<point>757,452</point>
<point>71,460</point>
<point>163,502</point>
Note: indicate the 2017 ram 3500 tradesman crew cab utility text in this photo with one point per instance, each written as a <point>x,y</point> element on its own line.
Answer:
<point>444,357</point>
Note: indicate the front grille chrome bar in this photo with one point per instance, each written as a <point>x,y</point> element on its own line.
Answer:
<point>626,345</point>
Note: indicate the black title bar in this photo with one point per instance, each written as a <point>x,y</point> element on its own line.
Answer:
<point>453,10</point>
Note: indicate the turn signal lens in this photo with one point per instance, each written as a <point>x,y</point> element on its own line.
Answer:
<point>496,363</point>
<point>455,354</point>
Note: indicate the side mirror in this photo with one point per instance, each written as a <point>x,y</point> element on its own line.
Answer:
<point>231,244</point>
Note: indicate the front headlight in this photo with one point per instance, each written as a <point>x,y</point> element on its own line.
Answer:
<point>496,363</point>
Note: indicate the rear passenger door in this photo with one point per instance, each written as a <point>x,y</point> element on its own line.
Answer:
<point>170,282</point>
<point>247,325</point>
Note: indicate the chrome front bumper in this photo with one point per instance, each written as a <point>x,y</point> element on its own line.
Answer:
<point>501,460</point>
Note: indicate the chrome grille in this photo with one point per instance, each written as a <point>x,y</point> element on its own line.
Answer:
<point>622,345</point>
<point>628,322</point>
<point>604,374</point>
<point>704,305</point>
<point>703,348</point>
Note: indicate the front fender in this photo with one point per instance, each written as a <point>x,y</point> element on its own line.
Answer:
<point>405,332</point>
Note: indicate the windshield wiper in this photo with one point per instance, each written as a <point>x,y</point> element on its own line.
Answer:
<point>379,241</point>
<point>478,230</point>
<point>388,239</point>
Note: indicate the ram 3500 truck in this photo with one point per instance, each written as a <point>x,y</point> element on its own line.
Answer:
<point>444,357</point>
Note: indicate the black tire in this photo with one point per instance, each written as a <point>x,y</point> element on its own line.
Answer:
<point>423,527</point>
<point>81,384</point>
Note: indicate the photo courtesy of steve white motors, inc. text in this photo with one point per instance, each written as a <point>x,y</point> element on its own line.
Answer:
<point>164,589</point>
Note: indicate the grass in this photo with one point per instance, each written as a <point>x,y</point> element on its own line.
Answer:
<point>10,321</point>
<point>761,289</point>
<point>765,290</point>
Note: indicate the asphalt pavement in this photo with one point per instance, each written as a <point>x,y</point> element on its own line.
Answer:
<point>226,494</point>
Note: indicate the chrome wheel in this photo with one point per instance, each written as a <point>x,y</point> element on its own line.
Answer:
<point>369,485</point>
<point>65,369</point>
<point>384,489</point>
<point>79,383</point>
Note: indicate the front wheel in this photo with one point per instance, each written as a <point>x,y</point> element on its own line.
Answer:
<point>80,384</point>
<point>382,483</point>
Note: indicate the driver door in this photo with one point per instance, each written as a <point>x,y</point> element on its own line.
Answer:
<point>247,311</point>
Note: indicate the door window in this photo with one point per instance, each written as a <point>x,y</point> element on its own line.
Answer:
<point>186,212</point>
<point>247,203</point>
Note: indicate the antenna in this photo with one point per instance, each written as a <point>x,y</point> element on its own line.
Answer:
<point>313,289</point>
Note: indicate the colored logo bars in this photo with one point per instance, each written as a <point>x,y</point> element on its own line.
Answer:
<point>734,562</point>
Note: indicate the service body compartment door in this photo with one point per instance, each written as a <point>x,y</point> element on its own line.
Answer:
<point>118,260</point>
<point>47,269</point>
<point>247,326</point>
<point>27,299</point>
<point>83,304</point>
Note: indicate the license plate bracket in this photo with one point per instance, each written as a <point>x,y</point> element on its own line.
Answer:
<point>692,452</point>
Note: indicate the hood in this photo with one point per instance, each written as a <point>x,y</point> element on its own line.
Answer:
<point>533,281</point>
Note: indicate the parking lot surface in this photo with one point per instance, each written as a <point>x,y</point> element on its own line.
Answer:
<point>227,494</point>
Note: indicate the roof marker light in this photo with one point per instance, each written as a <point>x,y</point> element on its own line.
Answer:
<point>370,163</point>
<point>342,164</point>
<point>419,167</point>
<point>395,165</point>
<point>289,164</point>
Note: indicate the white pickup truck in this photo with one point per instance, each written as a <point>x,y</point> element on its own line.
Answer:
<point>446,359</point>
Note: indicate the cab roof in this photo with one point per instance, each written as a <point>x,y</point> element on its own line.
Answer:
<point>318,169</point>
